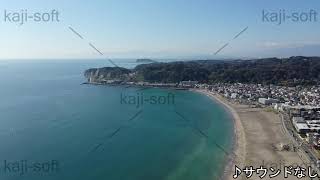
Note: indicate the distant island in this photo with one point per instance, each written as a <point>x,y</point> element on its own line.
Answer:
<point>145,61</point>
<point>297,70</point>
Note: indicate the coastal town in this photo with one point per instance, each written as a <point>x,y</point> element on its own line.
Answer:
<point>298,107</point>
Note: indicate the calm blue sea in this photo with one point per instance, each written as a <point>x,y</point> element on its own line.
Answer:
<point>52,127</point>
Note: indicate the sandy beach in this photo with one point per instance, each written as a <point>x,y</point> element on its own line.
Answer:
<point>258,138</point>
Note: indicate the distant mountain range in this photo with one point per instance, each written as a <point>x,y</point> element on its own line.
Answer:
<point>297,70</point>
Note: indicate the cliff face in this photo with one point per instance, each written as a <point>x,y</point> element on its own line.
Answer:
<point>107,73</point>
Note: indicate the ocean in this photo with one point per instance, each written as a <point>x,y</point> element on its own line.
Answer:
<point>52,127</point>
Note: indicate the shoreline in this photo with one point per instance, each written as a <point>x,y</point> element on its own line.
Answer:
<point>135,86</point>
<point>238,138</point>
<point>258,137</point>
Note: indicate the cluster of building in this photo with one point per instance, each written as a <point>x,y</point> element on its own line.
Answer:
<point>306,120</point>
<point>251,93</point>
<point>302,104</point>
<point>180,85</point>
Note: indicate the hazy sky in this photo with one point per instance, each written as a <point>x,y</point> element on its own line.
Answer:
<point>159,28</point>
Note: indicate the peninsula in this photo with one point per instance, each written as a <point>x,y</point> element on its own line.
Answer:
<point>291,71</point>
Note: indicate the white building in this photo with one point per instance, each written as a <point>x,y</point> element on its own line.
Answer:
<point>301,127</point>
<point>188,83</point>
<point>305,126</point>
<point>267,101</point>
<point>234,95</point>
<point>300,124</point>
